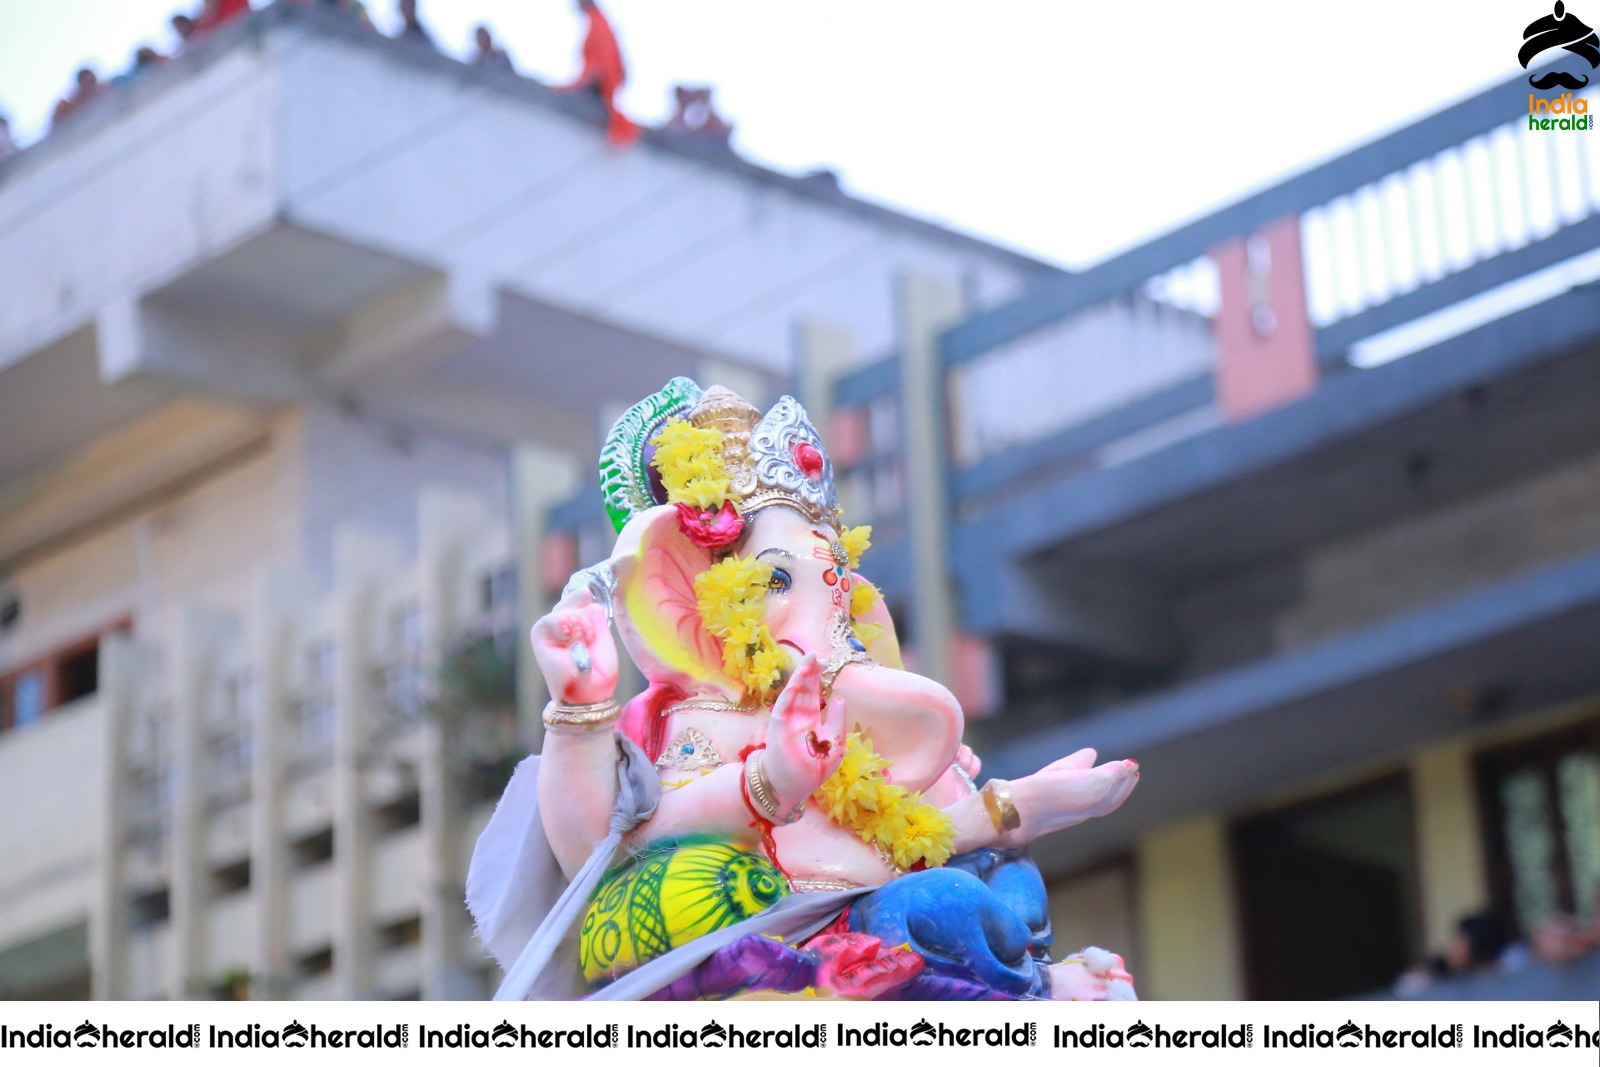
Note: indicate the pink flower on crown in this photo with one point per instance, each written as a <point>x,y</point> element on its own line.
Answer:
<point>711,527</point>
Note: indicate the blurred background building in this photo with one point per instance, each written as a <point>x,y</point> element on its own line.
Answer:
<point>308,338</point>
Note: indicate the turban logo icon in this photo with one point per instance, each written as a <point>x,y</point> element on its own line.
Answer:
<point>1559,30</point>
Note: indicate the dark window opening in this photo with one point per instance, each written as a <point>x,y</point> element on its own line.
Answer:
<point>314,848</point>
<point>1329,891</point>
<point>68,674</point>
<point>148,909</point>
<point>399,813</point>
<point>78,674</point>
<point>313,963</point>
<point>404,932</point>
<point>234,878</point>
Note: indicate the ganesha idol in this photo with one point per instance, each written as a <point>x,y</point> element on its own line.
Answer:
<point>785,810</point>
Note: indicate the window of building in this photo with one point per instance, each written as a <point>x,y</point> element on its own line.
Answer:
<point>28,697</point>
<point>63,676</point>
<point>403,681</point>
<point>314,848</point>
<point>233,878</point>
<point>78,673</point>
<point>402,932</point>
<point>148,909</point>
<point>398,814</point>
<point>314,709</point>
<point>314,963</point>
<point>1329,899</point>
<point>1541,805</point>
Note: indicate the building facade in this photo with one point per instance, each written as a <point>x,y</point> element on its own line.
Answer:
<point>302,384</point>
<point>312,332</point>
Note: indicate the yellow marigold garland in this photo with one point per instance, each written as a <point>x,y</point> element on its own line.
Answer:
<point>729,595</point>
<point>856,540</point>
<point>862,598</point>
<point>690,462</point>
<point>859,796</point>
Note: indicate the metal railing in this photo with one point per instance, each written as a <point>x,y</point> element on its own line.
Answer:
<point>1463,216</point>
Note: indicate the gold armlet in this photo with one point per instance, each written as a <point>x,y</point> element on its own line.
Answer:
<point>580,718</point>
<point>1002,811</point>
<point>759,792</point>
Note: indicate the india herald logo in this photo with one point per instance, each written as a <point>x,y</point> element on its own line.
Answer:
<point>1564,30</point>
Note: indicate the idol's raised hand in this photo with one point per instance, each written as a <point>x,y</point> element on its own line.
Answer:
<point>575,650</point>
<point>805,740</point>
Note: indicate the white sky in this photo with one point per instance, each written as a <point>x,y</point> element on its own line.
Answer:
<point>1067,129</point>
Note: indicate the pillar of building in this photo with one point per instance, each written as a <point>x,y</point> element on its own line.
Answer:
<point>193,685</point>
<point>823,351</point>
<point>1189,928</point>
<point>540,479</point>
<point>926,307</point>
<point>1449,836</point>
<point>361,560</point>
<point>448,523</point>
<point>742,379</point>
<point>281,605</point>
<point>120,680</point>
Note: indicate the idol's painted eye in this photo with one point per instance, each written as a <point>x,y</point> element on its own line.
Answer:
<point>780,581</point>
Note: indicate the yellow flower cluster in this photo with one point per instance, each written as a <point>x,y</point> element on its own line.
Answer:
<point>860,797</point>
<point>856,540</point>
<point>862,598</point>
<point>690,462</point>
<point>729,595</point>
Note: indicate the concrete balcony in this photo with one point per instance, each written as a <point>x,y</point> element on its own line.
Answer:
<point>51,783</point>
<point>397,873</point>
<point>311,909</point>
<point>231,920</point>
<point>149,963</point>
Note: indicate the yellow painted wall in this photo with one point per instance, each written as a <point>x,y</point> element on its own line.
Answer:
<point>1449,839</point>
<point>1189,931</point>
<point>1098,907</point>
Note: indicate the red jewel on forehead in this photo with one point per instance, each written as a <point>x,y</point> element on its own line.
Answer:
<point>808,459</point>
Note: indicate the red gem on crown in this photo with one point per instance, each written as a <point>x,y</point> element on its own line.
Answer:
<point>809,459</point>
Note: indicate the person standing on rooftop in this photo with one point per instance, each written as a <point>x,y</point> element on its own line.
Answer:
<point>489,54</point>
<point>412,30</point>
<point>86,87</point>
<point>183,26</point>
<point>603,72</point>
<point>217,12</point>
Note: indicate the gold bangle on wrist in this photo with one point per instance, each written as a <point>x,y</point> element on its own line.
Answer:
<point>580,718</point>
<point>759,787</point>
<point>1002,811</point>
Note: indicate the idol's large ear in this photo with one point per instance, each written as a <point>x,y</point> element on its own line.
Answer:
<point>656,612</point>
<point>884,646</point>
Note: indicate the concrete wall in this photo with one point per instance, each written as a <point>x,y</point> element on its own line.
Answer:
<point>199,163</point>
<point>1355,581</point>
<point>649,239</point>
<point>200,541</point>
<point>355,470</point>
<point>1091,363</point>
<point>1486,539</point>
<point>50,781</point>
<point>1098,907</point>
